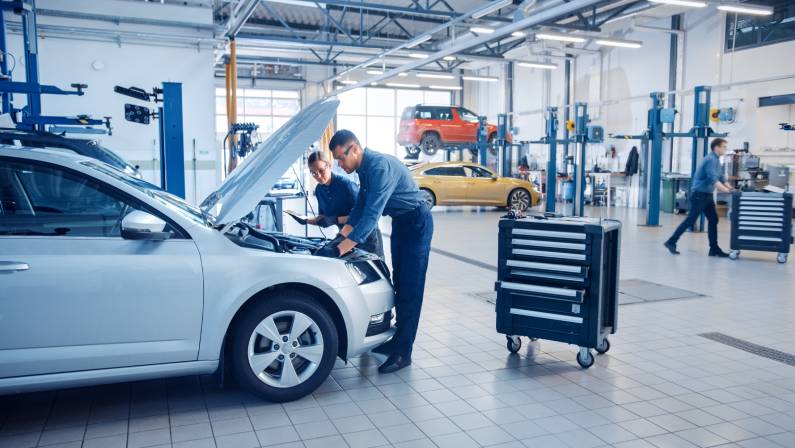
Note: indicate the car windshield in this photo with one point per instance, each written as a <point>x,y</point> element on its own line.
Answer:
<point>165,198</point>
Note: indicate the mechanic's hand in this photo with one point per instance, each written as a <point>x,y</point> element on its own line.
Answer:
<point>300,219</point>
<point>337,239</point>
<point>330,250</point>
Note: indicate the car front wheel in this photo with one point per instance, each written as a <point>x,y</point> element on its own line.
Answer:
<point>430,143</point>
<point>284,347</point>
<point>519,199</point>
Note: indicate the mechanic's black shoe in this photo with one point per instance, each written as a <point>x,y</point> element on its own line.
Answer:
<point>671,247</point>
<point>387,348</point>
<point>718,253</point>
<point>394,363</point>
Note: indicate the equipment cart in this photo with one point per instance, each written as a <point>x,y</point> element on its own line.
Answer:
<point>761,221</point>
<point>558,280</point>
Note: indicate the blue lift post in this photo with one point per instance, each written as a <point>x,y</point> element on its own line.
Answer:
<point>172,149</point>
<point>552,164</point>
<point>701,132</point>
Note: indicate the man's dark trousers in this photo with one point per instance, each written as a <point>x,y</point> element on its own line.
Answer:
<point>700,202</point>
<point>411,245</point>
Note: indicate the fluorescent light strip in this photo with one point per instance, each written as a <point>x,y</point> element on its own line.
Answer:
<point>518,34</point>
<point>418,41</point>
<point>435,76</point>
<point>375,72</point>
<point>348,81</point>
<point>560,37</point>
<point>491,8</point>
<point>537,65</point>
<point>756,10</point>
<point>619,43</point>
<point>449,58</point>
<point>403,74</point>
<point>481,30</point>
<point>446,87</point>
<point>688,3</point>
<point>398,84</point>
<point>480,78</point>
<point>418,56</point>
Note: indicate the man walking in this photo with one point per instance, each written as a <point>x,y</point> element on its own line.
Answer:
<point>387,188</point>
<point>709,176</point>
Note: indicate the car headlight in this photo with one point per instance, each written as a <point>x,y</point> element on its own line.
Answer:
<point>363,272</point>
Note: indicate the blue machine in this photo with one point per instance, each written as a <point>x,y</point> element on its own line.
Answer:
<point>30,117</point>
<point>700,133</point>
<point>169,112</point>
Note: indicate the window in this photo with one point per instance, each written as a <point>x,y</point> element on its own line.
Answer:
<point>467,115</point>
<point>434,113</point>
<point>446,171</point>
<point>270,109</point>
<point>39,200</point>
<point>747,31</point>
<point>475,171</point>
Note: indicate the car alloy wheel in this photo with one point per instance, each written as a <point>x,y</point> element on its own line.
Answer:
<point>430,144</point>
<point>285,349</point>
<point>519,200</point>
<point>283,346</point>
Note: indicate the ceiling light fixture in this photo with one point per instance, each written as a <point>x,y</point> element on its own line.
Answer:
<point>756,10</point>
<point>481,30</point>
<point>435,76</point>
<point>619,43</point>
<point>537,65</point>
<point>518,34</point>
<point>418,56</point>
<point>449,58</point>
<point>480,78</point>
<point>491,8</point>
<point>560,37</point>
<point>398,84</point>
<point>348,81</point>
<point>446,87</point>
<point>403,74</point>
<point>688,3</point>
<point>418,41</point>
<point>375,72</point>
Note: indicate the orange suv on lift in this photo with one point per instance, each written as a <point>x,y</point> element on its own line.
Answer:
<point>428,128</point>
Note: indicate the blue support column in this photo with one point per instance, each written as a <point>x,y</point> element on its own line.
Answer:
<point>5,102</point>
<point>172,150</point>
<point>31,59</point>
<point>552,164</point>
<point>581,143</point>
<point>655,129</point>
<point>701,132</point>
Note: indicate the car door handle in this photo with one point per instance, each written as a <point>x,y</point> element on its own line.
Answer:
<point>13,266</point>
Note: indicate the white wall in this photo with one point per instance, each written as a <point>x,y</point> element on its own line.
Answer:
<point>63,61</point>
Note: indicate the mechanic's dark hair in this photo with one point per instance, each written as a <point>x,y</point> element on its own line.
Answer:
<point>716,142</point>
<point>317,156</point>
<point>342,137</point>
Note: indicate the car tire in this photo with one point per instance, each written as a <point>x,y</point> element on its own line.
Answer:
<point>430,198</point>
<point>263,343</point>
<point>519,199</point>
<point>430,143</point>
<point>492,140</point>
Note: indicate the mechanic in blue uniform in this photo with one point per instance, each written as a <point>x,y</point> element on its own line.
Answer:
<point>709,176</point>
<point>336,195</point>
<point>387,188</point>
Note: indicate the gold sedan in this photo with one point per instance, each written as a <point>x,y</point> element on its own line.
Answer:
<point>463,183</point>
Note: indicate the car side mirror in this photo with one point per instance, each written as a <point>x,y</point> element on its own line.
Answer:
<point>139,225</point>
<point>494,178</point>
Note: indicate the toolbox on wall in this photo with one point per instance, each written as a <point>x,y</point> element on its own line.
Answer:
<point>761,221</point>
<point>558,280</point>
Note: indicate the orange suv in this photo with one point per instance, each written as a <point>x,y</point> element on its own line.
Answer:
<point>428,128</point>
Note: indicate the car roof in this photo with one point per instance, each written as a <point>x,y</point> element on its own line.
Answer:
<point>56,155</point>
<point>435,164</point>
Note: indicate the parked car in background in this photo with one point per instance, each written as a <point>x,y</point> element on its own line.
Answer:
<point>84,147</point>
<point>429,128</point>
<point>464,183</point>
<point>106,278</point>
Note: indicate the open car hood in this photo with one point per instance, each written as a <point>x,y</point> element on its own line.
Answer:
<point>250,181</point>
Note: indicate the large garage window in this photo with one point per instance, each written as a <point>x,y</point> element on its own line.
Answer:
<point>373,114</point>
<point>270,109</point>
<point>747,31</point>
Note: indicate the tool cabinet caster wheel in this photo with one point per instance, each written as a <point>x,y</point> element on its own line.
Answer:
<point>782,258</point>
<point>604,347</point>
<point>735,254</point>
<point>585,358</point>
<point>513,343</point>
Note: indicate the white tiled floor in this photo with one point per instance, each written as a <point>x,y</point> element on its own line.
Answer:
<point>660,386</point>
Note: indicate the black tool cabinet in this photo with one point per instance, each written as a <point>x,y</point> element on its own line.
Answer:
<point>761,221</point>
<point>558,280</point>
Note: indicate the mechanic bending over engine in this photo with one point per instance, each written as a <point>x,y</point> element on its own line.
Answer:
<point>336,196</point>
<point>387,188</point>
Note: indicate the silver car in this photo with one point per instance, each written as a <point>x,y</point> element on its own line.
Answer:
<point>106,278</point>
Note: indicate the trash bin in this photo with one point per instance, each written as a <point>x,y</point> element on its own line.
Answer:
<point>558,280</point>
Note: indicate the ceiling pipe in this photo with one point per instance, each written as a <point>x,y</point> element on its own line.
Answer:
<point>544,14</point>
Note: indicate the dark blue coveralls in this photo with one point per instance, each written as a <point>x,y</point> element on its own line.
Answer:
<point>387,188</point>
<point>337,199</point>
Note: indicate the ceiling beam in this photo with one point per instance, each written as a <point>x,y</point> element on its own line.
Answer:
<point>394,9</point>
<point>240,14</point>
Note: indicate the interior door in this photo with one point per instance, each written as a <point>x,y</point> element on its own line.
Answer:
<point>469,125</point>
<point>449,128</point>
<point>448,183</point>
<point>483,187</point>
<point>77,296</point>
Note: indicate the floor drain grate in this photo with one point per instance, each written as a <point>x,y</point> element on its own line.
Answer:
<point>756,349</point>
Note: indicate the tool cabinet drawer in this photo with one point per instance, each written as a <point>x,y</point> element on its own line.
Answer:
<point>548,273</point>
<point>569,295</point>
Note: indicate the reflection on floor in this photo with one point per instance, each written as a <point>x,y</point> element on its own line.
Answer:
<point>661,385</point>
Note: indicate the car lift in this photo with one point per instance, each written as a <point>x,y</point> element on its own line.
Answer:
<point>31,116</point>
<point>582,135</point>
<point>169,113</point>
<point>653,138</point>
